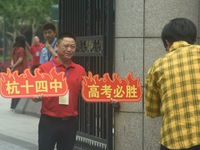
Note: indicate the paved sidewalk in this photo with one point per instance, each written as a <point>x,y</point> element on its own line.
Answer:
<point>17,131</point>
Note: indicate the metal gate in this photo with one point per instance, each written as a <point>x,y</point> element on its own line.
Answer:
<point>92,22</point>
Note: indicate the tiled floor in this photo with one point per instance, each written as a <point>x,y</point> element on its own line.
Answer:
<point>17,131</point>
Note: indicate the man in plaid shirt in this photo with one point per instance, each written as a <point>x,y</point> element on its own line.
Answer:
<point>173,87</point>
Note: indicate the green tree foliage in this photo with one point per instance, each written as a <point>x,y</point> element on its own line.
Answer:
<point>23,15</point>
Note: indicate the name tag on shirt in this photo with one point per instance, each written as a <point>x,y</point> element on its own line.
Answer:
<point>64,100</point>
<point>37,53</point>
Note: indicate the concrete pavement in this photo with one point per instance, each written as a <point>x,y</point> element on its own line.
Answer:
<point>17,131</point>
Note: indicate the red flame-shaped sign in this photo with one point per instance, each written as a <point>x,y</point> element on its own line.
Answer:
<point>27,85</point>
<point>104,89</point>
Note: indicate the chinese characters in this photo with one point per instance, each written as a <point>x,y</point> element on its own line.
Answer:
<point>27,85</point>
<point>97,89</point>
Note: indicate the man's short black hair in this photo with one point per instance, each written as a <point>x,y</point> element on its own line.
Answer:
<point>179,29</point>
<point>48,26</point>
<point>66,34</point>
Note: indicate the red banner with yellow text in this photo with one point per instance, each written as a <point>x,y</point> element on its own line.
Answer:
<point>95,89</point>
<point>27,85</point>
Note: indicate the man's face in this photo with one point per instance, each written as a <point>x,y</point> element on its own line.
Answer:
<point>66,48</point>
<point>49,35</point>
<point>36,40</point>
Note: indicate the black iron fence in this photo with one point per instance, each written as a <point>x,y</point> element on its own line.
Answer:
<point>92,23</point>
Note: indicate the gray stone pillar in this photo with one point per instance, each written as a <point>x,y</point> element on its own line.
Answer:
<point>137,45</point>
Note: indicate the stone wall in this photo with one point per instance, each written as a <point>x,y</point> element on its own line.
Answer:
<point>138,44</point>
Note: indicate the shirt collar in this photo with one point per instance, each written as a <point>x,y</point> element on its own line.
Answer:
<point>57,63</point>
<point>177,45</point>
<point>54,42</point>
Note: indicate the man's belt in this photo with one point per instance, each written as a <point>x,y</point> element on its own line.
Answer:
<point>60,118</point>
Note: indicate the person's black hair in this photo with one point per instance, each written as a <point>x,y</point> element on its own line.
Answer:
<point>66,34</point>
<point>20,41</point>
<point>48,26</point>
<point>179,29</point>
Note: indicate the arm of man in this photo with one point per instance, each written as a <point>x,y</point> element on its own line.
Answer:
<point>37,98</point>
<point>50,48</point>
<point>152,95</point>
<point>42,56</point>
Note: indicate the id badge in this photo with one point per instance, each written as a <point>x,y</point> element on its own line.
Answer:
<point>64,100</point>
<point>37,54</point>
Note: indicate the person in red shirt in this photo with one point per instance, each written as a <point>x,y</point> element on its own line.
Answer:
<point>19,61</point>
<point>58,122</point>
<point>35,50</point>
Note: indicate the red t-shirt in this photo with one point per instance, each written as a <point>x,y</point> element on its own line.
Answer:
<point>17,53</point>
<point>35,51</point>
<point>50,105</point>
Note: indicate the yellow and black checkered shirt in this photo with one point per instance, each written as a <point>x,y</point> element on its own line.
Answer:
<point>173,92</point>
